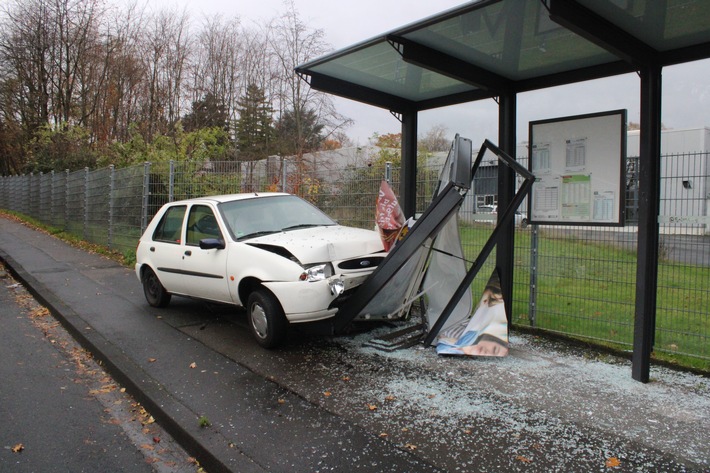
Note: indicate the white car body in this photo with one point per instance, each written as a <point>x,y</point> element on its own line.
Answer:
<point>291,264</point>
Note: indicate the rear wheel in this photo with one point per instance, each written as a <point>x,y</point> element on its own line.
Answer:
<point>155,293</point>
<point>267,322</point>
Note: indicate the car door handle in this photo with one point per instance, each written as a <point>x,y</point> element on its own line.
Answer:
<point>188,253</point>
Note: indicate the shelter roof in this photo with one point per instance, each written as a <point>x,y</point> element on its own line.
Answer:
<point>485,48</point>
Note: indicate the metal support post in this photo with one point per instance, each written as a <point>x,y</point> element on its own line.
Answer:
<point>408,181</point>
<point>506,190</point>
<point>648,234</point>
<point>532,305</point>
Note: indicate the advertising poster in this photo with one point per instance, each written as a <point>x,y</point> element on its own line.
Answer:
<point>485,333</point>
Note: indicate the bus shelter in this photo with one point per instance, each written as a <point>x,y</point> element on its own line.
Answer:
<point>499,48</point>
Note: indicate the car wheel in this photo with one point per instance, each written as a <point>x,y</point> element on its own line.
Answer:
<point>155,293</point>
<point>267,322</point>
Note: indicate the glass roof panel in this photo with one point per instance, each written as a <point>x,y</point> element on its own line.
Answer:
<point>682,23</point>
<point>379,66</point>
<point>513,38</point>
<point>517,40</point>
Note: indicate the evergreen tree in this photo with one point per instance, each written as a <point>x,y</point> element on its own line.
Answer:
<point>254,131</point>
<point>300,133</point>
<point>209,112</point>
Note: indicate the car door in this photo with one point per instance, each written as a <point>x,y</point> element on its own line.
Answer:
<point>167,249</point>
<point>205,271</point>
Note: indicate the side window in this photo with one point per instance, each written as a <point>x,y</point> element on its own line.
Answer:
<point>201,223</point>
<point>169,228</point>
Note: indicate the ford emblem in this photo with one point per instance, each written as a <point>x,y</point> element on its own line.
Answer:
<point>364,263</point>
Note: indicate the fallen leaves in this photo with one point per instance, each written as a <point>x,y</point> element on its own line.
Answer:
<point>17,448</point>
<point>612,462</point>
<point>523,459</point>
<point>193,365</point>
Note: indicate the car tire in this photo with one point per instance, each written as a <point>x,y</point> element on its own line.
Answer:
<point>267,322</point>
<point>155,293</point>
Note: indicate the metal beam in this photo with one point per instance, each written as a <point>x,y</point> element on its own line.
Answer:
<point>356,92</point>
<point>648,235</point>
<point>602,32</point>
<point>450,66</point>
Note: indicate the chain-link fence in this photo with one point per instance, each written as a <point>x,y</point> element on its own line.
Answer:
<point>578,281</point>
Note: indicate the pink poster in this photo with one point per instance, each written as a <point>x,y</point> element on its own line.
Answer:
<point>388,216</point>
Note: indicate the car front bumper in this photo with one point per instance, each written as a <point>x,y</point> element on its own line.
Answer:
<point>304,301</point>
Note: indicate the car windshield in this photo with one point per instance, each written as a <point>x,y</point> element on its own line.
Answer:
<point>250,218</point>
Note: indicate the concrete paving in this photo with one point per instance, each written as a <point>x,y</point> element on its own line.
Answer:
<point>330,404</point>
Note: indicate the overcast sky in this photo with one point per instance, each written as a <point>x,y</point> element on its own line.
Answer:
<point>686,88</point>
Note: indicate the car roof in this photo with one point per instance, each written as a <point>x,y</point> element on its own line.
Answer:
<point>229,197</point>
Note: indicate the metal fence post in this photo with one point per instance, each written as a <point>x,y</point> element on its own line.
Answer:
<point>388,172</point>
<point>171,182</point>
<point>146,196</point>
<point>284,174</point>
<point>52,218</point>
<point>86,203</point>
<point>66,199</point>
<point>532,306</point>
<point>111,193</point>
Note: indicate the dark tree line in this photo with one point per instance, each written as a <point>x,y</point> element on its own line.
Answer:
<point>89,83</point>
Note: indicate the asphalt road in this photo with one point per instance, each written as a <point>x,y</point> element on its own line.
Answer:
<point>59,411</point>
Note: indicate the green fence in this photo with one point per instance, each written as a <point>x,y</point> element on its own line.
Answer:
<point>576,281</point>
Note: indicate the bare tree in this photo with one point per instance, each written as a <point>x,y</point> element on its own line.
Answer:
<point>164,55</point>
<point>293,43</point>
<point>217,63</point>
<point>435,139</point>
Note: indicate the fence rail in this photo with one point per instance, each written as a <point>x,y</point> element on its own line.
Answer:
<point>576,281</point>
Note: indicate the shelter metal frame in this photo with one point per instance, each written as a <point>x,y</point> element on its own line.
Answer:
<point>483,49</point>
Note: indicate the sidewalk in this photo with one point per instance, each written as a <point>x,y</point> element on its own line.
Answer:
<point>323,404</point>
<point>262,427</point>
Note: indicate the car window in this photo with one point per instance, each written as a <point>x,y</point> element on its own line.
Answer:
<point>247,218</point>
<point>169,228</point>
<point>201,223</point>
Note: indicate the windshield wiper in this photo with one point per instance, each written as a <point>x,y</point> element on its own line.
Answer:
<point>303,225</point>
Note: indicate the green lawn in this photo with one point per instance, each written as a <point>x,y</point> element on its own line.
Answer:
<point>586,289</point>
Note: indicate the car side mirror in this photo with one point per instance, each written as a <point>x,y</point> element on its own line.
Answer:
<point>211,244</point>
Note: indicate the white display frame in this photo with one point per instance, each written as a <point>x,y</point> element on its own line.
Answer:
<point>579,167</point>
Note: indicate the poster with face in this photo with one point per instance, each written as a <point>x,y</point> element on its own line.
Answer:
<point>388,216</point>
<point>485,333</point>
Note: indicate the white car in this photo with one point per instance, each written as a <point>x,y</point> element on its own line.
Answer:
<point>275,254</point>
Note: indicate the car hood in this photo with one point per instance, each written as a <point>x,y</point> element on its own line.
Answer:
<point>321,244</point>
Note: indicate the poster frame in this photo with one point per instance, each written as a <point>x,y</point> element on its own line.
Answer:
<point>581,133</point>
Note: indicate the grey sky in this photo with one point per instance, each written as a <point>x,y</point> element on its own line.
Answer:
<point>686,88</point>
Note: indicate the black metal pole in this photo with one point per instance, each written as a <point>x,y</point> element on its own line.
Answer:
<point>506,190</point>
<point>408,177</point>
<point>648,238</point>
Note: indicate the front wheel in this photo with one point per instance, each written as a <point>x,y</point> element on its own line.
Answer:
<point>267,322</point>
<point>155,293</point>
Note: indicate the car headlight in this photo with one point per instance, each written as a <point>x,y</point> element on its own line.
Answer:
<point>317,272</point>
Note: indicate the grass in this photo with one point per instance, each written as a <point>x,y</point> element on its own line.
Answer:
<point>587,289</point>
<point>584,289</point>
